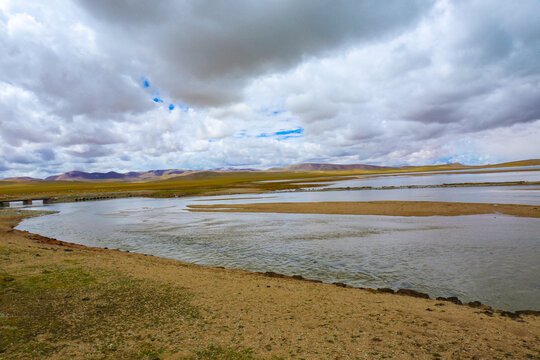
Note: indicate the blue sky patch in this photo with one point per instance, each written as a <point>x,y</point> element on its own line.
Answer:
<point>270,111</point>
<point>184,108</point>
<point>289,137</point>
<point>466,158</point>
<point>444,160</point>
<point>242,134</point>
<point>288,132</point>
<point>284,134</point>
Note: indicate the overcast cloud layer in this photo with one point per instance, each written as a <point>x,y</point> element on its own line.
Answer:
<point>98,85</point>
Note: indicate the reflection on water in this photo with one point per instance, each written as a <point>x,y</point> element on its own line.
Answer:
<point>491,258</point>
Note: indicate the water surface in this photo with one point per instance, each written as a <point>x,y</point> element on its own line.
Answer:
<point>491,258</point>
<point>454,177</point>
<point>525,195</point>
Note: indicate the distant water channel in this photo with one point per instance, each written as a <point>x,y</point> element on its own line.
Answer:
<point>454,177</point>
<point>491,258</point>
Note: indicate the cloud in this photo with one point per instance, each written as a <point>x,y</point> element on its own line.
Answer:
<point>46,154</point>
<point>125,85</point>
<point>204,52</point>
<point>448,76</point>
<point>58,62</point>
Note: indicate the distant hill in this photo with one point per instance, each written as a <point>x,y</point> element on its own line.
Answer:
<point>133,175</point>
<point>327,167</point>
<point>81,175</point>
<point>152,175</point>
<point>115,176</point>
<point>530,162</point>
<point>455,165</point>
<point>232,169</point>
<point>22,178</point>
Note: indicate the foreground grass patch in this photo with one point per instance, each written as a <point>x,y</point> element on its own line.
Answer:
<point>221,353</point>
<point>44,308</point>
<point>213,352</point>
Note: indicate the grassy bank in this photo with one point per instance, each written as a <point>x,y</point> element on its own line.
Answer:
<point>59,300</point>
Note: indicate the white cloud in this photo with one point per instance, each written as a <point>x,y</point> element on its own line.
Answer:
<point>389,83</point>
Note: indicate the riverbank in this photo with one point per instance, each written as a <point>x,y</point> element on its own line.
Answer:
<point>387,208</point>
<point>61,300</point>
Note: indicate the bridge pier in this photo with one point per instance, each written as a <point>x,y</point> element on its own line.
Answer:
<point>6,203</point>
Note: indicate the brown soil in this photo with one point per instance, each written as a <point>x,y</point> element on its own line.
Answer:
<point>239,315</point>
<point>389,208</point>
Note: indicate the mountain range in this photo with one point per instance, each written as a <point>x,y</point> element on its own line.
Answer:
<point>327,167</point>
<point>134,176</point>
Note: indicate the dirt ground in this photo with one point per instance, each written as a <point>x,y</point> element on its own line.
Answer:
<point>59,300</point>
<point>390,208</point>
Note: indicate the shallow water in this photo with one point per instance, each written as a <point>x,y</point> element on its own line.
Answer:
<point>430,178</point>
<point>454,177</point>
<point>489,194</point>
<point>491,258</point>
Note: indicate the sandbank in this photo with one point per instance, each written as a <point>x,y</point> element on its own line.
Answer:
<point>387,208</point>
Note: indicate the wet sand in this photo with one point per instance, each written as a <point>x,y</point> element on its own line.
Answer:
<point>237,314</point>
<point>387,208</point>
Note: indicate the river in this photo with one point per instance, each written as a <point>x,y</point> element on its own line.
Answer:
<point>491,258</point>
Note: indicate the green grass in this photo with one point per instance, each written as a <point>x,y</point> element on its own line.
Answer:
<point>43,308</point>
<point>213,352</point>
<point>222,353</point>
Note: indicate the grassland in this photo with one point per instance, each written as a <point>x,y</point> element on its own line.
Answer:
<point>205,183</point>
<point>66,301</point>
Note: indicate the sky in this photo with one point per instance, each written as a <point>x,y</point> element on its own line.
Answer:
<point>127,85</point>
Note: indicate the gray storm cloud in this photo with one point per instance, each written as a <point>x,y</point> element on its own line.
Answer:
<point>386,82</point>
<point>204,52</point>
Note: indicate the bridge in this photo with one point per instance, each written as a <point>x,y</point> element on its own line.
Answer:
<point>7,203</point>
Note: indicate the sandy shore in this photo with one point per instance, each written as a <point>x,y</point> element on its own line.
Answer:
<point>59,300</point>
<point>389,208</point>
